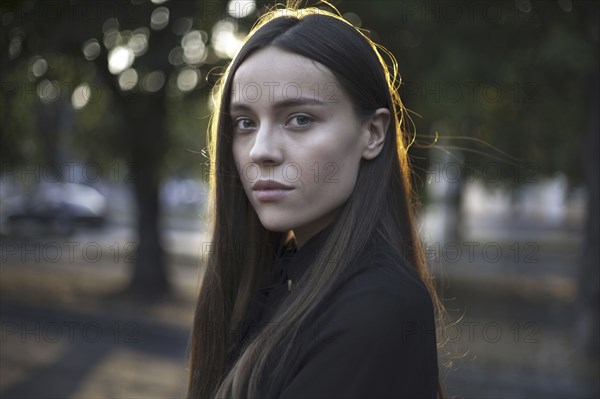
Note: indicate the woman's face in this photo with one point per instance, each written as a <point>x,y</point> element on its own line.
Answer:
<point>293,124</point>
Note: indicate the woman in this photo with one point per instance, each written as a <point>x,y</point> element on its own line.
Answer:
<point>316,284</point>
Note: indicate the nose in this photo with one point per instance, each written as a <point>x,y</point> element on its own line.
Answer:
<point>266,148</point>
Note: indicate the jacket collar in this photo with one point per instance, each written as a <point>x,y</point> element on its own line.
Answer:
<point>291,262</point>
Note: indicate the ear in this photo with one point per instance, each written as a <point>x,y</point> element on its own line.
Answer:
<point>375,129</point>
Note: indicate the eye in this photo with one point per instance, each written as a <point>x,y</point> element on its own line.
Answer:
<point>300,121</point>
<point>243,124</point>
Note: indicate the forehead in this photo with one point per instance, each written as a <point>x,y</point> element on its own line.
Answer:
<point>273,74</point>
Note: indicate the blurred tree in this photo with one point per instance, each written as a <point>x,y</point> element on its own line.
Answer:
<point>133,70</point>
<point>508,84</point>
<point>514,75</point>
<point>588,300</point>
<point>474,69</point>
<point>502,83</point>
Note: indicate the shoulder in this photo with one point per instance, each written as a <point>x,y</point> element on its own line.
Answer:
<point>374,337</point>
<point>382,295</point>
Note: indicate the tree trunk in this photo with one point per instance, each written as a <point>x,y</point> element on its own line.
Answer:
<point>589,277</point>
<point>145,114</point>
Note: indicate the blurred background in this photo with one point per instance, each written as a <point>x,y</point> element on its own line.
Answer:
<point>103,185</point>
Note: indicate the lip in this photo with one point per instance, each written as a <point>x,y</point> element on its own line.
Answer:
<point>270,190</point>
<point>271,195</point>
<point>266,185</point>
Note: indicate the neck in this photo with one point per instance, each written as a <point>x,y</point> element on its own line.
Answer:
<point>306,232</point>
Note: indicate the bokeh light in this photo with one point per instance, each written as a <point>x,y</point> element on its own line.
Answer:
<point>39,67</point>
<point>91,49</point>
<point>187,79</point>
<point>81,96</point>
<point>15,45</point>
<point>153,82</point>
<point>524,5</point>
<point>241,8</point>
<point>111,39</point>
<point>14,48</point>
<point>139,41</point>
<point>111,24</point>
<point>176,56</point>
<point>160,18</point>
<point>48,91</point>
<point>182,25</point>
<point>565,5</point>
<point>119,59</point>
<point>194,50</point>
<point>128,79</point>
<point>224,38</point>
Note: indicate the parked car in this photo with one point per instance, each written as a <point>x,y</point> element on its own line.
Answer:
<point>57,208</point>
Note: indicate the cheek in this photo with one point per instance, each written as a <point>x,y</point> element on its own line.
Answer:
<point>239,162</point>
<point>240,152</point>
<point>236,150</point>
<point>331,172</point>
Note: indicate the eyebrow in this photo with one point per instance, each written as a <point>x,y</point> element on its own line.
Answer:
<point>235,106</point>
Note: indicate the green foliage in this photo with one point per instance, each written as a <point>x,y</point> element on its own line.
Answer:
<point>513,75</point>
<point>97,132</point>
<point>500,82</point>
<point>187,120</point>
<point>32,111</point>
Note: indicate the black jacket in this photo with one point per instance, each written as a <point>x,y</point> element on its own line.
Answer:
<point>373,338</point>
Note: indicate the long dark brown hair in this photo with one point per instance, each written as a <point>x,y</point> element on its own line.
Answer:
<point>242,255</point>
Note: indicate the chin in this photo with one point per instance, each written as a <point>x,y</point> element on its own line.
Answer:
<point>273,223</point>
<point>276,227</point>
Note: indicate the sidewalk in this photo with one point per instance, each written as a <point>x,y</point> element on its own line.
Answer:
<point>66,334</point>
